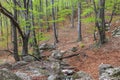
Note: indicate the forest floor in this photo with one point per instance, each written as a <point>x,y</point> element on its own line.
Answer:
<point>107,53</point>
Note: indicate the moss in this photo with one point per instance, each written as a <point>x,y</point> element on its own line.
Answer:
<point>116,74</point>
<point>75,76</point>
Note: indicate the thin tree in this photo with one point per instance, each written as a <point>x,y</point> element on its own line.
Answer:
<point>36,52</point>
<point>100,20</point>
<point>72,16</point>
<point>79,21</point>
<point>47,19</point>
<point>54,24</point>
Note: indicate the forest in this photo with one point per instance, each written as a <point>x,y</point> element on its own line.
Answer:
<point>59,39</point>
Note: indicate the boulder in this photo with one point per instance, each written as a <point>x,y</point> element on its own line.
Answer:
<point>46,46</point>
<point>7,75</point>
<point>74,49</point>
<point>110,74</point>
<point>56,54</point>
<point>103,67</point>
<point>23,76</point>
<point>56,77</point>
<point>52,77</point>
<point>17,65</point>
<point>107,72</point>
<point>55,66</point>
<point>6,65</point>
<point>81,75</point>
<point>28,58</point>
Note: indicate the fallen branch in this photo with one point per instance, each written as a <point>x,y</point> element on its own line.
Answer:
<point>73,55</point>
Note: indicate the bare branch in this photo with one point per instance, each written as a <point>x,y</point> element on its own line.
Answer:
<point>11,17</point>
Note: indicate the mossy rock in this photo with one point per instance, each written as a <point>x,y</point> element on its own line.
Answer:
<point>7,75</point>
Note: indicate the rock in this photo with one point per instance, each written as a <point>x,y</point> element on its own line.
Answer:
<point>82,76</point>
<point>6,65</point>
<point>110,74</point>
<point>56,54</point>
<point>41,51</point>
<point>55,66</point>
<point>52,77</point>
<point>19,64</point>
<point>74,49</point>
<point>68,72</point>
<point>34,71</point>
<point>23,76</point>
<point>28,58</point>
<point>103,67</point>
<point>46,46</point>
<point>7,75</point>
<point>55,77</point>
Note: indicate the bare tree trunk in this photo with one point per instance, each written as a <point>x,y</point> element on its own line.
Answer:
<point>27,31</point>
<point>40,18</point>
<point>101,22</point>
<point>1,27</point>
<point>15,44</point>
<point>48,27</point>
<point>54,24</point>
<point>79,21</point>
<point>72,17</point>
<point>36,52</point>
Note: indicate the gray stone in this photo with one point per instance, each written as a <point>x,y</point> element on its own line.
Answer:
<point>17,65</point>
<point>28,58</point>
<point>68,72</point>
<point>110,73</point>
<point>74,49</point>
<point>81,75</point>
<point>56,77</point>
<point>23,76</point>
<point>7,75</point>
<point>46,46</point>
<point>52,77</point>
<point>6,65</point>
<point>103,67</point>
<point>56,54</point>
<point>55,66</point>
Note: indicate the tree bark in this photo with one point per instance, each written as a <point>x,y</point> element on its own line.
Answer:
<point>79,21</point>
<point>72,17</point>
<point>54,24</point>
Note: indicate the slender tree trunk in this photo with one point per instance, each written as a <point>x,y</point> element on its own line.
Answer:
<point>36,52</point>
<point>48,27</point>
<point>96,22</point>
<point>54,24</point>
<point>1,27</point>
<point>72,17</point>
<point>101,22</point>
<point>79,21</point>
<point>27,30</point>
<point>15,44</point>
